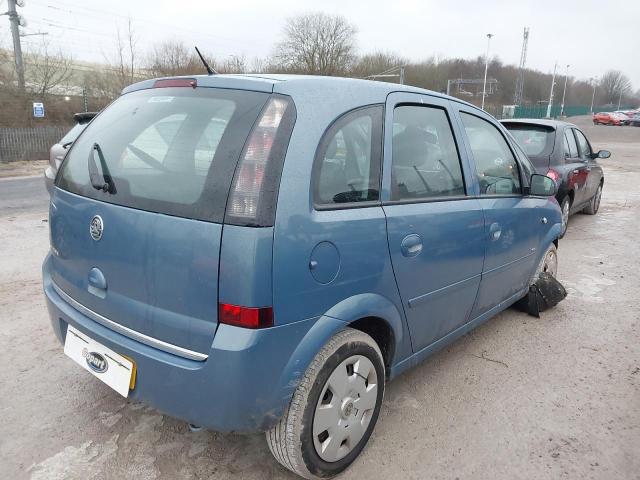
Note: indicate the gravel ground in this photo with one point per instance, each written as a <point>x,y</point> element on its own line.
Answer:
<point>518,398</point>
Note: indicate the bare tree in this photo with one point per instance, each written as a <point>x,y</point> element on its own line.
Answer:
<point>375,63</point>
<point>317,43</point>
<point>47,71</point>
<point>126,57</point>
<point>614,84</point>
<point>235,64</point>
<point>173,57</point>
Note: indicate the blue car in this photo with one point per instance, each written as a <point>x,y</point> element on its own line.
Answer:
<point>253,253</point>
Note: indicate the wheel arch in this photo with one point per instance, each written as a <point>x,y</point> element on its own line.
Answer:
<point>368,312</point>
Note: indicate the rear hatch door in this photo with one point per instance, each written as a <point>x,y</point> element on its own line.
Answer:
<point>143,252</point>
<point>537,141</point>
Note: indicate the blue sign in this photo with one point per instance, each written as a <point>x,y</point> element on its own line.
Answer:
<point>38,110</point>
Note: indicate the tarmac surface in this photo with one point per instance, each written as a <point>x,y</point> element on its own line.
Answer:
<point>517,398</point>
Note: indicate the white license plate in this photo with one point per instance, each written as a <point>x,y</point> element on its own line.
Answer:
<point>109,366</point>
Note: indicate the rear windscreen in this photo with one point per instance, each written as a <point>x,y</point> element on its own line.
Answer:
<point>72,134</point>
<point>535,141</point>
<point>166,150</point>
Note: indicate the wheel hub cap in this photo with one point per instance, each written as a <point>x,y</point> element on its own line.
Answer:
<point>345,407</point>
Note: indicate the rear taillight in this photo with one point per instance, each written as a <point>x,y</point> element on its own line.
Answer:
<point>554,175</point>
<point>245,193</point>
<point>246,317</point>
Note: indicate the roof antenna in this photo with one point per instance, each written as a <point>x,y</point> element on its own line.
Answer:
<point>210,70</point>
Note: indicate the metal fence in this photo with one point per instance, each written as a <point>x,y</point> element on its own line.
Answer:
<point>28,143</point>
<point>540,111</point>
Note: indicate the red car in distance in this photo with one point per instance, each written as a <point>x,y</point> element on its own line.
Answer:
<point>606,118</point>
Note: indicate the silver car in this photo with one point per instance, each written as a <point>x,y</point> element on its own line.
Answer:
<point>59,150</point>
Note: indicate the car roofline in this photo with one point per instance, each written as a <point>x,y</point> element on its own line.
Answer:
<point>271,82</point>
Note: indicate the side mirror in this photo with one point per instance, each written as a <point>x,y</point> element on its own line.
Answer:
<point>603,154</point>
<point>542,186</point>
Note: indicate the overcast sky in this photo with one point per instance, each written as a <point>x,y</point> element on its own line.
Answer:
<point>590,35</point>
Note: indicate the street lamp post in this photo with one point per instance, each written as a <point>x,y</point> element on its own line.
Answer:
<point>486,68</point>
<point>564,91</point>
<point>594,82</point>
<point>619,99</point>
<point>553,84</point>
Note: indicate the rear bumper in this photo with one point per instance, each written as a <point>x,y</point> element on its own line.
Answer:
<point>244,385</point>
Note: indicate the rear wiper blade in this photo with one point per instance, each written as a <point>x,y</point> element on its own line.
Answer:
<point>99,181</point>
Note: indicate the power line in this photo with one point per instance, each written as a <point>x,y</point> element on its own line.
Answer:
<point>99,14</point>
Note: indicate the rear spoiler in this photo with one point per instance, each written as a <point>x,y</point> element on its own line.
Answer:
<point>84,117</point>
<point>516,124</point>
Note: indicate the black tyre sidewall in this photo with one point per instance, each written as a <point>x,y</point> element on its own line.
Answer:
<point>316,465</point>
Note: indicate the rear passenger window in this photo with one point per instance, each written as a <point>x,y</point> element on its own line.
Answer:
<point>570,147</point>
<point>497,167</point>
<point>425,161</point>
<point>348,159</point>
<point>583,144</point>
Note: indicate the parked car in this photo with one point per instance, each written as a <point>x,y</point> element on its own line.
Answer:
<point>253,253</point>
<point>624,119</point>
<point>627,113</point>
<point>59,150</point>
<point>561,151</point>
<point>635,120</point>
<point>606,118</point>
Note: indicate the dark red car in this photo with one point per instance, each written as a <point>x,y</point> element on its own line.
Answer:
<point>560,150</point>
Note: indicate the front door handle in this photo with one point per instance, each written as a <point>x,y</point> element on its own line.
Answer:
<point>411,245</point>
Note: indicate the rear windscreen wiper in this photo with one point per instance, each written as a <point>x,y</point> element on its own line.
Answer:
<point>99,181</point>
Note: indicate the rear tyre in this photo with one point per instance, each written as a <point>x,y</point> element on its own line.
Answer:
<point>594,203</point>
<point>334,409</point>
<point>565,208</point>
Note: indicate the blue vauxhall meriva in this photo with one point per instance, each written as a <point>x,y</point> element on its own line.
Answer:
<point>253,253</point>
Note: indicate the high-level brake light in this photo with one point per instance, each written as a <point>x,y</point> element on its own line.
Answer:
<point>176,82</point>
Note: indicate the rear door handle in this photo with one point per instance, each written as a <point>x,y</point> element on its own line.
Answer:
<point>411,245</point>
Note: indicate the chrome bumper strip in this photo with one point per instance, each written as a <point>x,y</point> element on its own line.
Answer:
<point>128,332</point>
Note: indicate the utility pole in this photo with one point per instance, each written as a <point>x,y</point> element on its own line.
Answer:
<point>553,84</point>
<point>594,82</point>
<point>15,20</point>
<point>619,99</point>
<point>519,92</point>
<point>486,68</point>
<point>564,91</point>
<point>401,74</point>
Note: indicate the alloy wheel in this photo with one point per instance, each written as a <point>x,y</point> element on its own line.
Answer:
<point>550,263</point>
<point>565,215</point>
<point>597,198</point>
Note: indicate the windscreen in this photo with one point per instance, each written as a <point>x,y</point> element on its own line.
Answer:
<point>166,150</point>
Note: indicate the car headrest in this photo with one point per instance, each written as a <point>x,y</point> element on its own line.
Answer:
<point>411,147</point>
